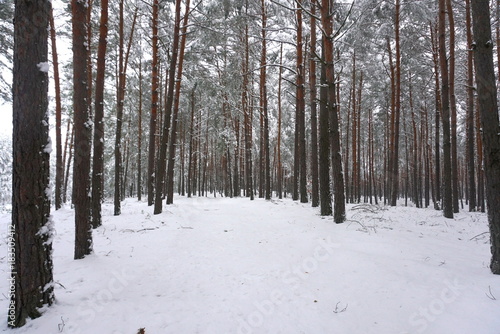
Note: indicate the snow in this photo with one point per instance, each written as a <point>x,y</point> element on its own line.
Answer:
<point>43,66</point>
<point>48,146</point>
<point>48,230</point>
<point>88,124</point>
<point>237,266</point>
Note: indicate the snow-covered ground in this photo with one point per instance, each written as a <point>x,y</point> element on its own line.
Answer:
<point>234,266</point>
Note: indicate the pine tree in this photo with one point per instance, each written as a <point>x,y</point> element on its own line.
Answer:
<point>488,110</point>
<point>83,131</point>
<point>31,229</point>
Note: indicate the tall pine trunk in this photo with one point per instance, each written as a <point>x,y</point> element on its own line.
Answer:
<point>83,131</point>
<point>31,229</point>
<point>445,108</point>
<point>139,138</point>
<point>247,115</point>
<point>300,112</point>
<point>324,143</point>
<point>453,108</point>
<point>488,110</point>
<point>397,109</point>
<point>338,176</point>
<point>154,105</point>
<point>278,149</point>
<point>437,145</point>
<point>119,111</point>
<point>98,159</point>
<point>263,105</point>
<point>160,170</point>
<point>57,86</point>
<point>470,153</point>
<point>173,135</point>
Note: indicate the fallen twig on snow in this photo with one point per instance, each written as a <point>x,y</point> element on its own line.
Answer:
<point>480,234</point>
<point>338,310</point>
<point>490,295</point>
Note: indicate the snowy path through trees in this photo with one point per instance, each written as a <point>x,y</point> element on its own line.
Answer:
<point>235,266</point>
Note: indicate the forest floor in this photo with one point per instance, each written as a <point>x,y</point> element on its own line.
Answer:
<point>234,266</point>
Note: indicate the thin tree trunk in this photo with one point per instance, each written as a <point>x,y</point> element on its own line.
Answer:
<point>98,157</point>
<point>263,105</point>
<point>236,171</point>
<point>154,105</point>
<point>300,110</point>
<point>470,114</point>
<point>278,149</point>
<point>480,165</point>
<point>190,154</point>
<point>445,103</point>
<point>70,158</point>
<point>324,143</point>
<point>247,119</point>
<point>313,103</point>
<point>397,110</point>
<point>122,79</point>
<point>139,138</point>
<point>453,108</point>
<point>160,171</point>
<point>353,182</point>
<point>57,86</point>
<point>119,111</point>
<point>173,136</point>
<point>437,149</point>
<point>391,124</point>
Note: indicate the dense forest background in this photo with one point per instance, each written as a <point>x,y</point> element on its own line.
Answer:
<point>223,62</point>
<point>221,38</point>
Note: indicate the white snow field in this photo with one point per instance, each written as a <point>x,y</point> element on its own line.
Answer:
<point>234,266</point>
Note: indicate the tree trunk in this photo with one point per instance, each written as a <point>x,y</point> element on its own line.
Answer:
<point>480,166</point>
<point>263,105</point>
<point>397,110</point>
<point>83,132</point>
<point>173,136</point>
<point>470,114</point>
<point>301,136</point>
<point>57,86</point>
<point>278,149</point>
<point>160,171</point>
<point>247,119</point>
<point>338,175</point>
<point>437,149</point>
<point>30,235</point>
<point>313,103</point>
<point>488,109</point>
<point>119,112</point>
<point>139,138</point>
<point>453,108</point>
<point>353,182</point>
<point>445,104</point>
<point>122,78</point>
<point>324,143</point>
<point>154,105</point>
<point>98,159</point>
<point>70,158</point>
